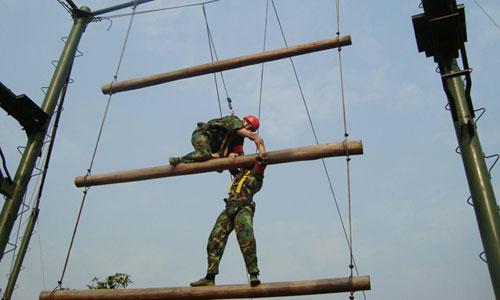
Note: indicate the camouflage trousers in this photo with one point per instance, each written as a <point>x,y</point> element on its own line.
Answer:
<point>241,220</point>
<point>202,150</point>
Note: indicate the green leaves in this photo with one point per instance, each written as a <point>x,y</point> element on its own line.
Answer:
<point>116,281</point>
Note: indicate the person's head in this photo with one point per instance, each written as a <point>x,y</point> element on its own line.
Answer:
<point>251,123</point>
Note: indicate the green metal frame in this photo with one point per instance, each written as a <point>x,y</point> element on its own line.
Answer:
<point>441,33</point>
<point>15,191</point>
<point>35,141</point>
<point>33,148</point>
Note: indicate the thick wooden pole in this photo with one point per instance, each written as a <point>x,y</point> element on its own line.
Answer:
<point>274,157</point>
<point>275,289</point>
<point>226,64</point>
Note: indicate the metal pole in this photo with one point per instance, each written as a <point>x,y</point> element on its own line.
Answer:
<point>478,177</point>
<point>28,232</point>
<point>11,284</point>
<point>119,6</point>
<point>35,141</point>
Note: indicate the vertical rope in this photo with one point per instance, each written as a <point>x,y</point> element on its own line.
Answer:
<point>330,183</point>
<point>89,170</point>
<point>262,65</point>
<point>352,264</point>
<point>213,54</point>
<point>347,233</point>
<point>212,57</point>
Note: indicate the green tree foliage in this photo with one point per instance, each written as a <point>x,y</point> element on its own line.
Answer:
<point>116,281</point>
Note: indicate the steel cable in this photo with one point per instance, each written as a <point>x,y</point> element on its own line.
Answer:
<point>85,192</point>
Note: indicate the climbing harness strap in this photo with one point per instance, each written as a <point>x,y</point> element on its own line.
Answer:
<point>240,182</point>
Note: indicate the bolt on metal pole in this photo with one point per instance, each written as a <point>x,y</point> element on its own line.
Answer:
<point>34,145</point>
<point>478,177</point>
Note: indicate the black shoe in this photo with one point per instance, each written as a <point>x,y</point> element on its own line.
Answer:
<point>173,161</point>
<point>254,280</point>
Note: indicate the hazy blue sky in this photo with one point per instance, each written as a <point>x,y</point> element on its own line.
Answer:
<point>413,231</point>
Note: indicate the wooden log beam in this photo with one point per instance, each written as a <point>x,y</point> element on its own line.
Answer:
<point>226,64</point>
<point>274,157</point>
<point>275,289</point>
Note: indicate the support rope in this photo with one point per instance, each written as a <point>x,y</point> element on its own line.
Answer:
<point>161,9</point>
<point>262,65</point>
<point>487,15</point>
<point>348,236</point>
<point>213,53</point>
<point>212,58</point>
<point>348,158</point>
<point>89,170</point>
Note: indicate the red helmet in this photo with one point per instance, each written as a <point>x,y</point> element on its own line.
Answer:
<point>253,120</point>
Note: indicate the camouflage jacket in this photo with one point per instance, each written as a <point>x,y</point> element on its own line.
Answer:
<point>222,134</point>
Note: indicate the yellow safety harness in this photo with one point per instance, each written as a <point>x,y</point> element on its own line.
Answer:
<point>240,182</point>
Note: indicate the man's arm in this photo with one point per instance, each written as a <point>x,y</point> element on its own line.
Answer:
<point>259,142</point>
<point>259,167</point>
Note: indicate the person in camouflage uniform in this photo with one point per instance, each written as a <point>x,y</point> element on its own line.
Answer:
<point>238,216</point>
<point>222,137</point>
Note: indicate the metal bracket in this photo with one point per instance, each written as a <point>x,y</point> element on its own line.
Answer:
<point>440,31</point>
<point>456,74</point>
<point>31,117</point>
<point>6,187</point>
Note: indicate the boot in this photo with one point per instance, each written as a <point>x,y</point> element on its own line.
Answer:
<point>173,161</point>
<point>254,280</point>
<point>203,282</point>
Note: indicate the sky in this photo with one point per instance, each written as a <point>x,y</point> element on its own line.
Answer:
<point>413,231</point>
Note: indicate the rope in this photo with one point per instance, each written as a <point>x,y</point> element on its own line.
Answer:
<point>213,53</point>
<point>42,265</point>
<point>89,170</point>
<point>327,174</point>
<point>352,263</point>
<point>161,9</point>
<point>262,65</point>
<point>348,159</point>
<point>212,58</point>
<point>487,15</point>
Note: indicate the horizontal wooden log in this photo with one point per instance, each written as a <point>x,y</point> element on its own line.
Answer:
<point>226,64</point>
<point>274,157</point>
<point>275,289</point>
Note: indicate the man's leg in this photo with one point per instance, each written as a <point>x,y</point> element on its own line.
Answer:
<point>244,232</point>
<point>202,150</point>
<point>217,241</point>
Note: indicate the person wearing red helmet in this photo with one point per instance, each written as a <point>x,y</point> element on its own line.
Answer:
<point>222,137</point>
